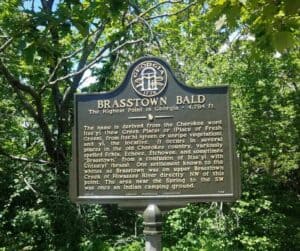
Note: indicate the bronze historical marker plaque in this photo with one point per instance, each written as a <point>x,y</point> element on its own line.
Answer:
<point>154,139</point>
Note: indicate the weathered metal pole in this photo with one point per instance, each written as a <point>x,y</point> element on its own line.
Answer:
<point>152,228</point>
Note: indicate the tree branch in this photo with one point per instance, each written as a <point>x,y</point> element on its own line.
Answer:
<point>70,91</point>
<point>172,14</point>
<point>141,14</point>
<point>7,43</point>
<point>59,63</point>
<point>159,4</point>
<point>86,51</point>
<point>39,119</point>
<point>97,34</point>
<point>47,4</point>
<point>30,187</point>
<point>98,57</point>
<point>153,36</point>
<point>15,82</point>
<point>18,158</point>
<point>37,113</point>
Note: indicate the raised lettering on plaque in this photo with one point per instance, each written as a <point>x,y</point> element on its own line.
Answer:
<point>154,139</point>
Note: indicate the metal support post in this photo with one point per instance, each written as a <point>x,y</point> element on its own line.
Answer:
<point>152,228</point>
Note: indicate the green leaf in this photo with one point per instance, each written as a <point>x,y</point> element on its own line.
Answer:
<point>232,15</point>
<point>81,26</point>
<point>283,40</point>
<point>291,7</point>
<point>28,53</point>
<point>221,2</point>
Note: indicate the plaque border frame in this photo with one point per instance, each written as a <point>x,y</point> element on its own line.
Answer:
<point>164,201</point>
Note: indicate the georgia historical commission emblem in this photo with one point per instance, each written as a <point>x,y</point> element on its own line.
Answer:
<point>149,78</point>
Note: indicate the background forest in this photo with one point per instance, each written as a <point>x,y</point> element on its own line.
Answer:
<point>51,49</point>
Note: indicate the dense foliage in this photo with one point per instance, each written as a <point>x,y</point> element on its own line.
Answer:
<point>50,49</point>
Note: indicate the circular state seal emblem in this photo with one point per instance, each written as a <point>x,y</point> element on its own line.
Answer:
<point>149,78</point>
